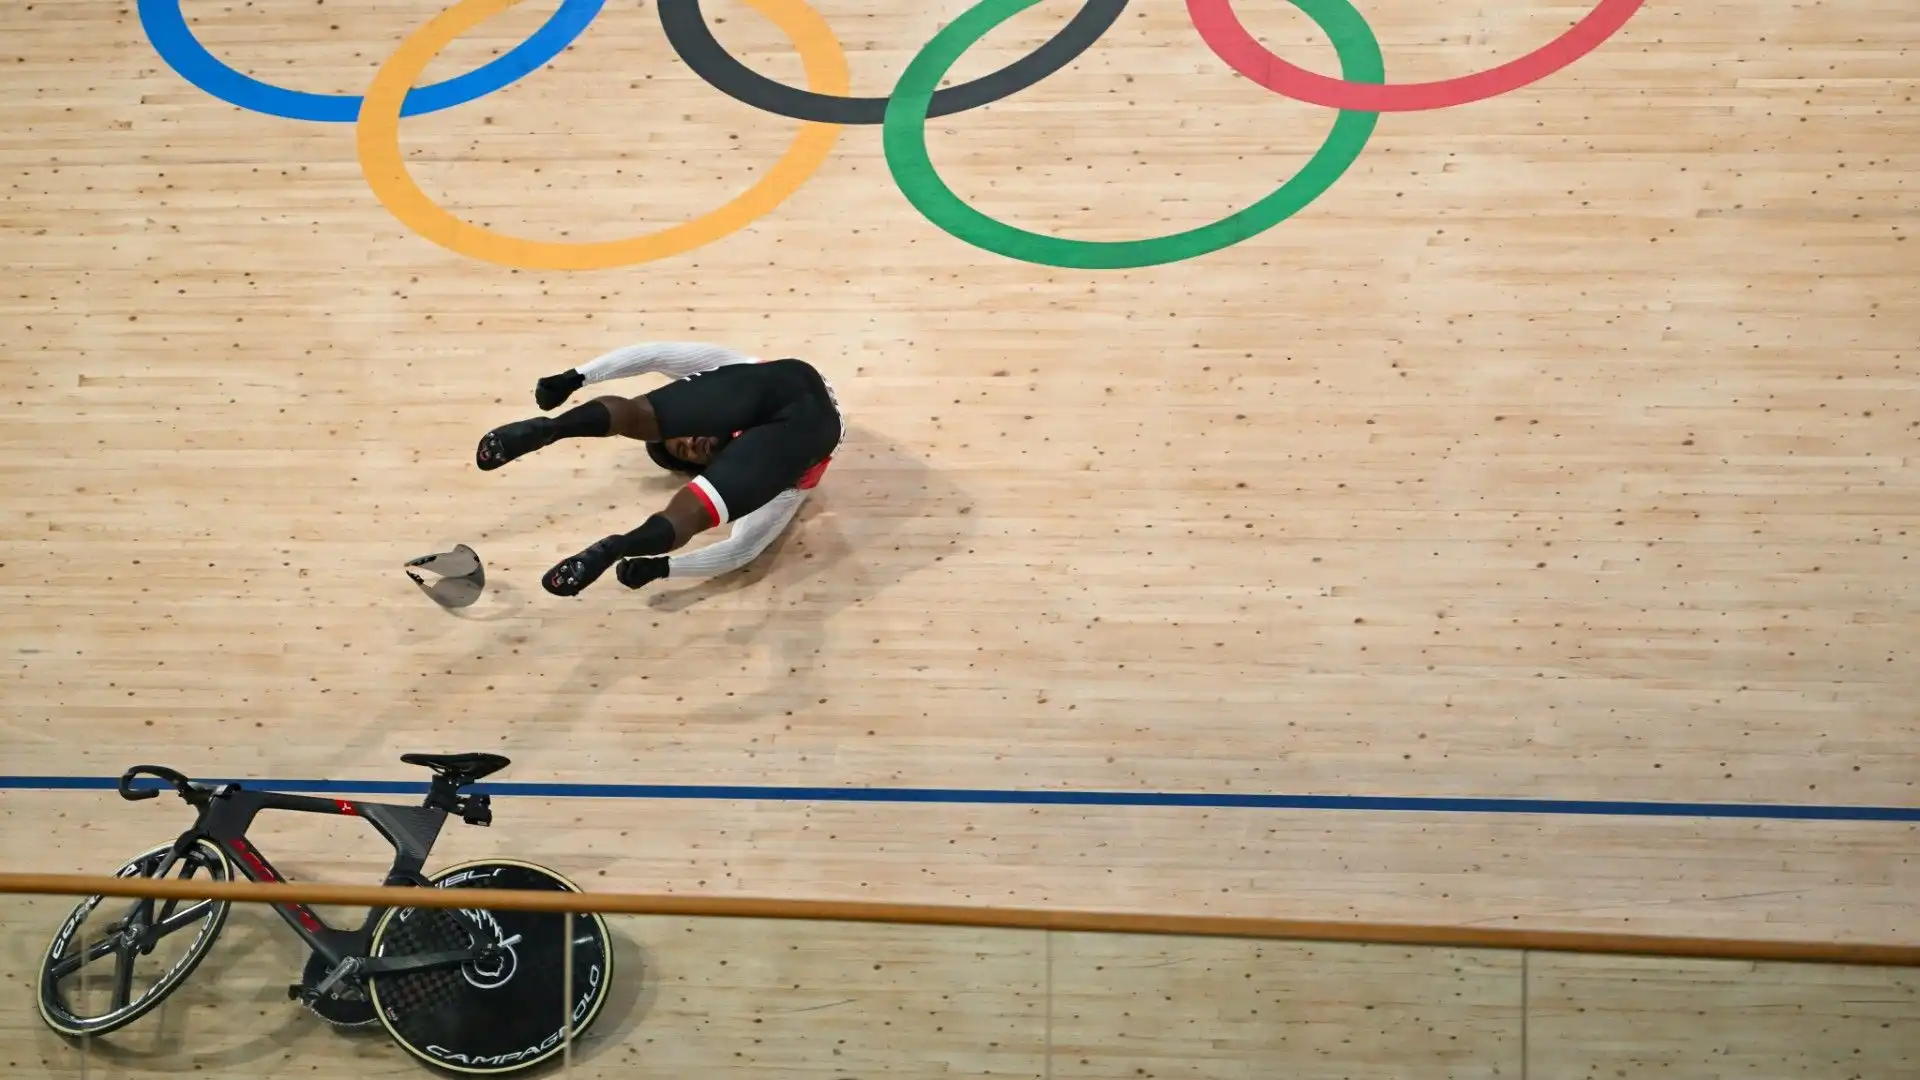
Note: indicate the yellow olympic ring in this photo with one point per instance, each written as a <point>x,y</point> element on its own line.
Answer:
<point>377,136</point>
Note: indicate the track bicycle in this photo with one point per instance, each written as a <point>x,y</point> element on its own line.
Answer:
<point>464,990</point>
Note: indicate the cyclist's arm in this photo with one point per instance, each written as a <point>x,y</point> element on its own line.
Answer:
<point>678,359</point>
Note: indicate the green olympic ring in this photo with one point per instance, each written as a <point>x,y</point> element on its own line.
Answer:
<point>904,136</point>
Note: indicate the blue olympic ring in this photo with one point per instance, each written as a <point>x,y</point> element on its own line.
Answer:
<point>173,39</point>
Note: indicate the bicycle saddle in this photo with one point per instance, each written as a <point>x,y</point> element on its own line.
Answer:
<point>460,768</point>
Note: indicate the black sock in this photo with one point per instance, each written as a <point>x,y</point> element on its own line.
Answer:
<point>653,538</point>
<point>589,421</point>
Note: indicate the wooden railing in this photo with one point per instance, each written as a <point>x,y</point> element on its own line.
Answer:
<point>1453,937</point>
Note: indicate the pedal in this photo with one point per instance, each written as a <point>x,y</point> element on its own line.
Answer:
<point>346,967</point>
<point>341,1005</point>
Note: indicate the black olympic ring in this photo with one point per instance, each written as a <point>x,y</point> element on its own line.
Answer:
<point>687,31</point>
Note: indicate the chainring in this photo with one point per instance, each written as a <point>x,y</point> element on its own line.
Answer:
<point>347,1006</point>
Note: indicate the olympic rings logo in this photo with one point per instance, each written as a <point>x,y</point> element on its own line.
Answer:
<point>1360,94</point>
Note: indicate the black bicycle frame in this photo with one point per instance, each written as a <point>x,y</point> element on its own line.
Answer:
<point>227,809</point>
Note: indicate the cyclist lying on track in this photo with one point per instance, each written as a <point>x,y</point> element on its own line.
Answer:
<point>754,436</point>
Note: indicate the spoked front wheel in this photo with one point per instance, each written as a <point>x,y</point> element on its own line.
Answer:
<point>99,976</point>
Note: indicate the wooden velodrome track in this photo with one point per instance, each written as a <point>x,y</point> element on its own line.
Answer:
<point>1517,533</point>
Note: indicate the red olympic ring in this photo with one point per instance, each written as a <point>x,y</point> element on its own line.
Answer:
<point>1229,40</point>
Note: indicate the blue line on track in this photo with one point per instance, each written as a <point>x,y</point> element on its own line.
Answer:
<point>1190,800</point>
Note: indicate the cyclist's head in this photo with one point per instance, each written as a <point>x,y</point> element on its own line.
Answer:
<point>688,454</point>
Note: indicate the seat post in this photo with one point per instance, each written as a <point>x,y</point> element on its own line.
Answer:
<point>443,793</point>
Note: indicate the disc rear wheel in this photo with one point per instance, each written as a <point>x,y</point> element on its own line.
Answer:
<point>503,1015</point>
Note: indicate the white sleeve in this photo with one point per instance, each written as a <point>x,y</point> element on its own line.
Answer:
<point>676,358</point>
<point>750,536</point>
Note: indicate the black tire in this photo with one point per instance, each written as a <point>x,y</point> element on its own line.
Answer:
<point>65,953</point>
<point>503,1020</point>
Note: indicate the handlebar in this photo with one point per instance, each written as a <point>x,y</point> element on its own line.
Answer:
<point>179,781</point>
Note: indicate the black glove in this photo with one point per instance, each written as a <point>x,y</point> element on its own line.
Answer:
<point>636,572</point>
<point>555,389</point>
